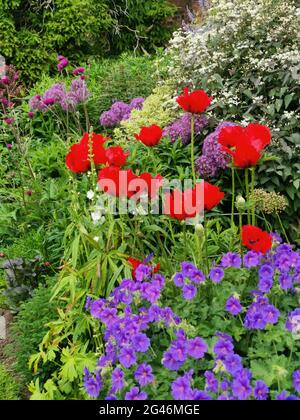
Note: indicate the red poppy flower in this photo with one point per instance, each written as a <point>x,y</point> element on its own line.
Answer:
<point>182,205</point>
<point>212,196</point>
<point>150,136</point>
<point>195,102</point>
<point>256,239</point>
<point>114,181</point>
<point>245,144</point>
<point>152,184</point>
<point>136,263</point>
<point>116,156</point>
<point>78,159</point>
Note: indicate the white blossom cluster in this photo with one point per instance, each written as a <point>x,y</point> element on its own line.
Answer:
<point>244,48</point>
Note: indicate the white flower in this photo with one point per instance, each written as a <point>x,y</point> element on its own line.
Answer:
<point>90,195</point>
<point>96,216</point>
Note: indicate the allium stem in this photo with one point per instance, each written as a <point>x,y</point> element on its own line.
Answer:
<point>247,195</point>
<point>193,147</point>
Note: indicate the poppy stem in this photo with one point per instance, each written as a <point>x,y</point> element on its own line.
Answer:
<point>206,245</point>
<point>233,197</point>
<point>247,195</point>
<point>241,229</point>
<point>193,147</point>
<point>252,195</point>
<point>283,228</point>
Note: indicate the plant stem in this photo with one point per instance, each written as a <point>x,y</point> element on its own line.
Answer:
<point>252,195</point>
<point>233,197</point>
<point>241,226</point>
<point>247,195</point>
<point>282,227</point>
<point>206,244</point>
<point>193,147</point>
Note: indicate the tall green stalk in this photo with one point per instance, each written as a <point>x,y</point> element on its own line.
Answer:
<point>193,147</point>
<point>247,195</point>
<point>233,197</point>
<point>252,195</point>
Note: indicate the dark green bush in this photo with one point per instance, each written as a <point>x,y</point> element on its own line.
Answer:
<point>29,329</point>
<point>33,33</point>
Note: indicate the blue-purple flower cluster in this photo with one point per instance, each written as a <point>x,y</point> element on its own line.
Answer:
<point>187,279</point>
<point>181,128</point>
<point>134,311</point>
<point>229,380</point>
<point>120,111</point>
<point>213,158</point>
<point>67,100</point>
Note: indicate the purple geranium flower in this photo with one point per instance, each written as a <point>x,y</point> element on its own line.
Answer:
<point>231,259</point>
<point>141,343</point>
<point>179,280</point>
<point>117,379</point>
<point>217,274</point>
<point>189,292</point>
<point>144,375</point>
<point>197,348</point>
<point>92,384</point>
<point>181,389</point>
<point>211,382</point>
<point>261,391</point>
<point>266,271</point>
<point>169,361</point>
<point>233,364</point>
<point>265,284</point>
<point>233,306</point>
<point>296,380</point>
<point>252,259</point>
<point>135,394</point>
<point>286,282</point>
<point>127,357</point>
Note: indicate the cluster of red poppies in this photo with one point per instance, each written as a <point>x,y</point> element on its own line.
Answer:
<point>89,148</point>
<point>245,145</point>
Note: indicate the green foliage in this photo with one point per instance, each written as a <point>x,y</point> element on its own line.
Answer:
<point>35,32</point>
<point>9,388</point>
<point>29,328</point>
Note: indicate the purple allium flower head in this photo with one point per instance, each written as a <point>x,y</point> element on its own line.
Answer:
<point>261,391</point>
<point>54,95</point>
<point>141,343</point>
<point>266,272</point>
<point>36,104</point>
<point>233,306</point>
<point>92,384</point>
<point>144,375</point>
<point>127,357</point>
<point>233,364</point>
<point>117,379</point>
<point>179,280</point>
<point>293,322</point>
<point>181,389</point>
<point>137,103</point>
<point>197,348</point>
<point>231,259</point>
<point>213,158</point>
<point>296,380</point>
<point>211,382</point>
<point>217,274</point>
<point>252,259</point>
<point>181,128</point>
<point>79,91</point>
<point>135,394</point>
<point>197,277</point>
<point>286,282</point>
<point>265,284</point>
<point>189,292</point>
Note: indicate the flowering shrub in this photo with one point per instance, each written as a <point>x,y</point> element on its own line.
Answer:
<point>250,59</point>
<point>210,365</point>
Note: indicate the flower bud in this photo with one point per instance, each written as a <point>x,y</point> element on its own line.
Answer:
<point>240,203</point>
<point>199,229</point>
